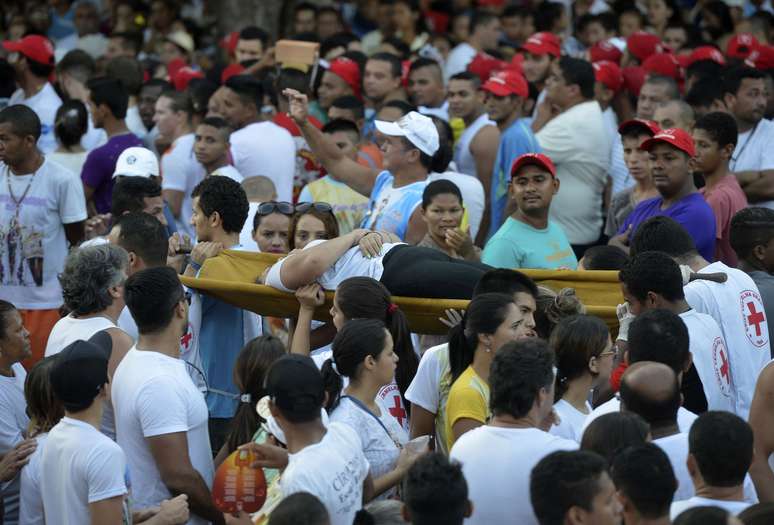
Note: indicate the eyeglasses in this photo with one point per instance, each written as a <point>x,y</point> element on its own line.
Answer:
<point>267,208</point>
<point>322,207</point>
<point>286,208</point>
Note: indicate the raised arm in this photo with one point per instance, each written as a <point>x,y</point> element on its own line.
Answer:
<point>359,178</point>
<point>306,266</point>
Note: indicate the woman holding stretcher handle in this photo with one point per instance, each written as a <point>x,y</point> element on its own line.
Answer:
<point>404,269</point>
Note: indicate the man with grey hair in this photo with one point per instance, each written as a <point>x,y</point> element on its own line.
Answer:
<point>675,114</point>
<point>93,290</point>
<point>656,90</point>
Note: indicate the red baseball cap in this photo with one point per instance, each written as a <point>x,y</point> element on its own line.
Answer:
<point>741,45</point>
<point>533,159</point>
<point>609,74</point>
<point>183,77</point>
<point>634,78</point>
<point>647,126</point>
<point>348,70</point>
<point>34,47</point>
<point>641,45</point>
<point>484,64</point>
<point>230,41</point>
<point>706,53</point>
<point>543,43</point>
<point>664,64</point>
<point>508,82</point>
<point>231,70</point>
<point>604,50</point>
<point>675,137</point>
<point>762,58</point>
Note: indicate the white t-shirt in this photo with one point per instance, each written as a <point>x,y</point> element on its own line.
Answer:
<point>473,198</point>
<point>753,152</point>
<point>153,395</point>
<point>70,329</point>
<point>246,235</point>
<point>79,466</point>
<point>264,148</point>
<point>44,103</point>
<point>676,448</point>
<point>710,357</point>
<point>71,161</point>
<point>333,470</point>
<point>497,463</point>
<point>581,167</point>
<point>379,446</point>
<point>737,307</point>
<point>685,418</point>
<point>463,157</point>
<point>127,324</point>
<point>33,251</point>
<point>571,421</point>
<point>31,501</point>
<point>458,60</point>
<point>230,172</point>
<point>180,171</point>
<point>733,507</point>
<point>13,426</point>
<point>430,388</point>
<point>352,264</point>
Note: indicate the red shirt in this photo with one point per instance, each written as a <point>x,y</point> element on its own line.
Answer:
<point>725,198</point>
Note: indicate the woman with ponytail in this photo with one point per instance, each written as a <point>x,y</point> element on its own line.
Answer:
<point>492,319</point>
<point>366,298</point>
<point>363,353</point>
<point>250,369</point>
<point>584,359</point>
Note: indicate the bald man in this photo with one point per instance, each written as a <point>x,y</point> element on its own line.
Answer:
<point>652,391</point>
<point>675,114</point>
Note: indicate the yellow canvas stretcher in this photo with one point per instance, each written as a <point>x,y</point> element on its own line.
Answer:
<point>231,278</point>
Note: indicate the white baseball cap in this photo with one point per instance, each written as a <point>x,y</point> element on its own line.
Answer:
<point>417,128</point>
<point>136,162</point>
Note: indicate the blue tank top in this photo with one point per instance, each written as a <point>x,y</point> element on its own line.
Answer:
<point>390,208</point>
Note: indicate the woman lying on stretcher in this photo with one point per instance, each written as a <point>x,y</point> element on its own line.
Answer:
<point>404,269</point>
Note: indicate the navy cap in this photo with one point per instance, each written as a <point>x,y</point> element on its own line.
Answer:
<point>79,373</point>
<point>296,387</point>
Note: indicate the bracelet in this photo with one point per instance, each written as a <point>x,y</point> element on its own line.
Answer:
<point>195,265</point>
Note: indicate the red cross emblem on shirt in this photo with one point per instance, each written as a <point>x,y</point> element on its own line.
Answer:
<point>397,411</point>
<point>755,318</point>
<point>186,339</point>
<point>724,365</point>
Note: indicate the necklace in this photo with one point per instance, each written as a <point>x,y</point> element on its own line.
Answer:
<point>735,158</point>
<point>16,201</point>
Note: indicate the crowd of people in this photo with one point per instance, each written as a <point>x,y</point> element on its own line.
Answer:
<point>427,149</point>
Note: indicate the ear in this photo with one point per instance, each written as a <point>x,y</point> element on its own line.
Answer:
<point>132,259</point>
<point>729,99</point>
<point>653,299</point>
<point>273,410</point>
<point>727,151</point>
<point>575,516</point>
<point>369,362</point>
<point>480,96</point>
<point>593,365</point>
<point>557,184</point>
<point>468,509</point>
<point>759,252</point>
<point>215,219</point>
<point>624,501</point>
<point>485,340</point>
<point>690,462</point>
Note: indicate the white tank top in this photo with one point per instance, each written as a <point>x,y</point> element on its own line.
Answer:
<point>70,329</point>
<point>463,158</point>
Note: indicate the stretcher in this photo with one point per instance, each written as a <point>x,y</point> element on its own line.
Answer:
<point>231,277</point>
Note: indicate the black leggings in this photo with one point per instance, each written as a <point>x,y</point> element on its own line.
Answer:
<point>414,271</point>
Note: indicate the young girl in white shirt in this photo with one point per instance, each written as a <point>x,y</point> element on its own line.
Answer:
<point>584,359</point>
<point>363,353</point>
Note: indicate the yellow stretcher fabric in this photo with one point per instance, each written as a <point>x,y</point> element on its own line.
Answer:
<point>231,278</point>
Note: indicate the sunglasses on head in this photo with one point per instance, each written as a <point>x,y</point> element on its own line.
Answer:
<point>286,208</point>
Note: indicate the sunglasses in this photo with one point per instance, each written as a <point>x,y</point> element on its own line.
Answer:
<point>286,208</point>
